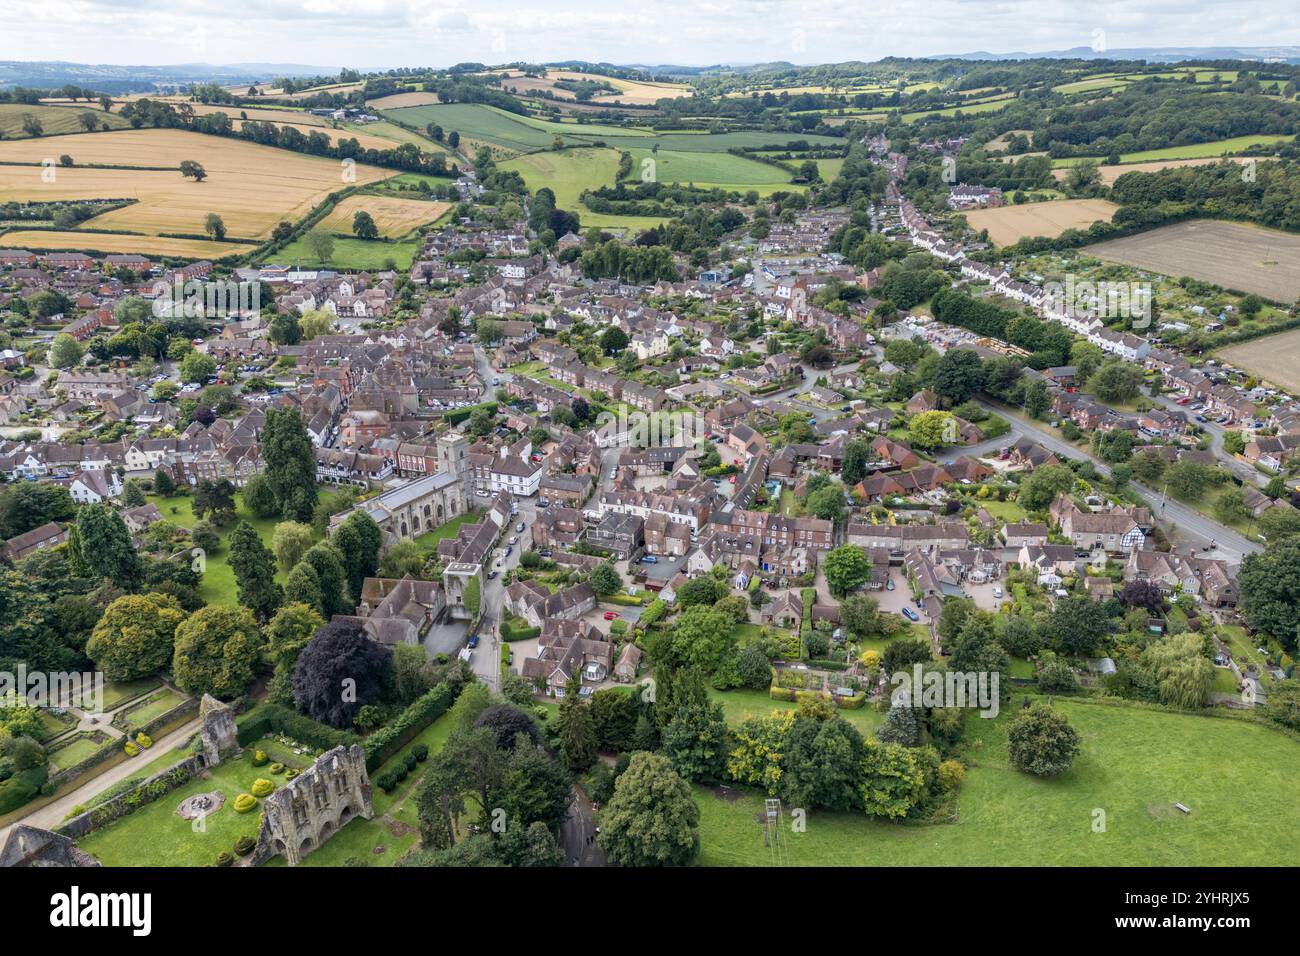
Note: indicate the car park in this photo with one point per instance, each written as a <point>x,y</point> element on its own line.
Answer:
<point>649,559</point>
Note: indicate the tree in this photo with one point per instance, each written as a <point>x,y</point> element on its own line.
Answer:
<point>363,226</point>
<point>900,726</point>
<point>1042,486</point>
<point>302,586</point>
<point>1143,594</point>
<point>1183,675</point>
<point>315,322</point>
<point>958,375</point>
<point>575,728</point>
<point>605,580</point>
<point>290,463</point>
<point>217,651</point>
<point>1042,742</point>
<point>652,819</point>
<point>285,329</point>
<point>320,244</point>
<point>1270,590</point>
<point>703,638</point>
<point>286,635</point>
<point>1231,507</point>
<point>214,226</point>
<point>900,654</point>
<point>65,351</point>
<point>259,497</point>
<point>613,340</point>
<point>1283,706</point>
<point>893,778</point>
<point>215,499</point>
<point>857,453</point>
<point>197,367</point>
<point>1116,381</point>
<point>823,764</point>
<point>1149,466</point>
<point>402,559</point>
<point>614,712</point>
<point>1190,480</point>
<point>26,505</point>
<point>254,569</point>
<point>1077,625</point>
<point>358,539</point>
<point>339,671</point>
<point>933,429</point>
<point>533,790</point>
<point>105,548</point>
<point>507,722</point>
<point>135,636</point>
<point>703,589</point>
<point>845,568</point>
<point>695,740</point>
<point>163,483</point>
<point>327,561</point>
<point>133,494</point>
<point>192,170</point>
<point>290,542</point>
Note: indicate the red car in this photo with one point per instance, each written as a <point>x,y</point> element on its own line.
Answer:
<point>1186,400</point>
<point>611,615</point>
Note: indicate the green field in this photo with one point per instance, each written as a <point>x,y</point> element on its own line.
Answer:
<point>708,169</point>
<point>1219,147</point>
<point>155,706</point>
<point>365,254</point>
<point>218,585</point>
<point>53,119</point>
<point>984,106</point>
<point>567,173</point>
<point>740,705</point>
<point>1239,779</point>
<point>76,749</point>
<point>528,134</point>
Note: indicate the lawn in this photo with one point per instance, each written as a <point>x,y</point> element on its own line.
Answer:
<point>78,748</point>
<point>1002,510</point>
<point>118,693</point>
<point>429,540</point>
<point>1135,765</point>
<point>156,705</point>
<point>156,836</point>
<point>218,585</point>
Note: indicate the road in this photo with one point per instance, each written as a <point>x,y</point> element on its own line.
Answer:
<point>1182,524</point>
<point>578,834</point>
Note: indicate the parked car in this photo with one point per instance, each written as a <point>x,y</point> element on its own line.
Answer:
<point>473,641</point>
<point>611,615</point>
<point>514,539</point>
<point>545,552</point>
<point>910,615</point>
<point>889,584</point>
<point>520,527</point>
<point>649,559</point>
<point>997,591</point>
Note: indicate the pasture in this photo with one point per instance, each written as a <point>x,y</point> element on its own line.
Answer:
<point>1211,150</point>
<point>1010,224</point>
<point>394,217</point>
<point>106,242</point>
<point>251,187</point>
<point>567,173</point>
<point>54,120</point>
<point>1234,255</point>
<point>1273,358</point>
<point>363,254</point>
<point>1135,765</point>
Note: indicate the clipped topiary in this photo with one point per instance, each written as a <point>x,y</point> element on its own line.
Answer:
<point>130,748</point>
<point>262,786</point>
<point>421,752</point>
<point>276,768</point>
<point>291,773</point>
<point>225,859</point>
<point>144,740</point>
<point>245,802</point>
<point>260,758</point>
<point>245,845</point>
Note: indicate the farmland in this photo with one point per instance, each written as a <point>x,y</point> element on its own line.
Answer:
<point>568,172</point>
<point>1273,358</point>
<point>394,217</point>
<point>53,119</point>
<point>632,92</point>
<point>108,242</point>
<point>251,187</point>
<point>1010,224</point>
<point>1111,173</point>
<point>1210,150</point>
<point>1233,255</point>
<point>349,253</point>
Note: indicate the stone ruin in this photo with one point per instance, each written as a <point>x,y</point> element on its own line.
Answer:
<point>218,734</point>
<point>33,846</point>
<point>312,807</point>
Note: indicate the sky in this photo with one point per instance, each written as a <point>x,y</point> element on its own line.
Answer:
<point>378,34</point>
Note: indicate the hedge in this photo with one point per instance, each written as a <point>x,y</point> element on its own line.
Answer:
<point>21,787</point>
<point>655,610</point>
<point>781,693</point>
<point>856,702</point>
<point>510,633</point>
<point>261,720</point>
<point>388,740</point>
<point>626,600</point>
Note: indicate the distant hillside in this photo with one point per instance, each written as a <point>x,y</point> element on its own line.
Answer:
<point>1268,54</point>
<point>109,78</point>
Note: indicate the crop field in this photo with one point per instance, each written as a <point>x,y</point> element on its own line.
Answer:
<point>251,187</point>
<point>260,113</point>
<point>707,169</point>
<point>397,101</point>
<point>394,217</point>
<point>1233,255</point>
<point>367,255</point>
<point>1111,173</point>
<point>1211,150</point>
<point>1272,358</point>
<point>106,242</point>
<point>1010,224</point>
<point>366,139</point>
<point>53,119</point>
<point>991,105</point>
<point>1135,765</point>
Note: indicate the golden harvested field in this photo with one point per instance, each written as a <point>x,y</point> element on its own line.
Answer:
<point>1010,224</point>
<point>1111,173</point>
<point>251,187</point>
<point>399,100</point>
<point>367,140</point>
<point>53,119</point>
<point>1233,255</point>
<point>1273,358</point>
<point>112,242</point>
<point>296,117</point>
<point>394,217</point>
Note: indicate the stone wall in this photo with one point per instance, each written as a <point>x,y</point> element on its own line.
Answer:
<point>159,785</point>
<point>312,807</point>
